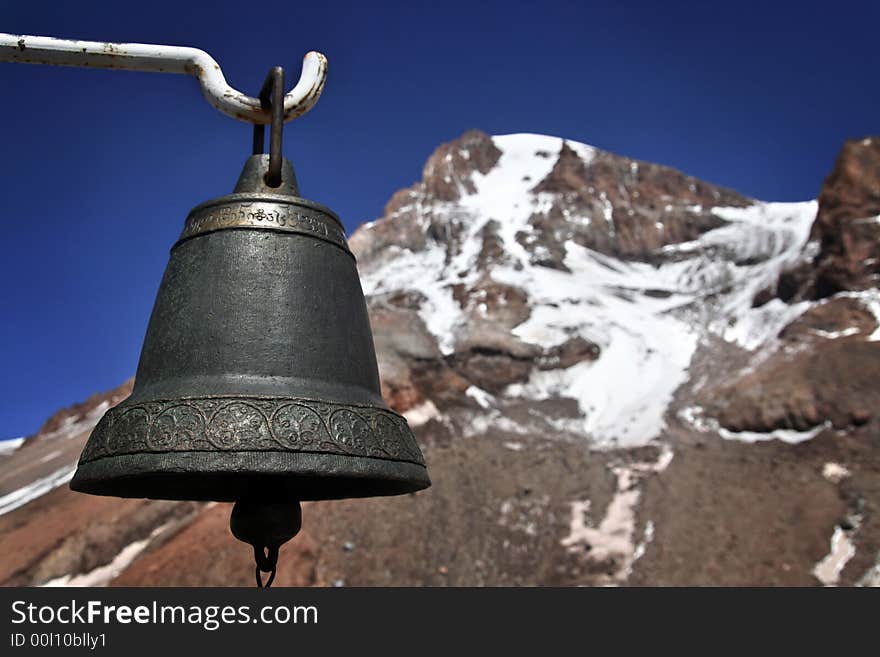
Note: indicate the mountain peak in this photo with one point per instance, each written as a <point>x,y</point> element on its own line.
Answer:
<point>531,185</point>
<point>516,249</point>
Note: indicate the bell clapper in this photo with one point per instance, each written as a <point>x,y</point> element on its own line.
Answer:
<point>266,524</point>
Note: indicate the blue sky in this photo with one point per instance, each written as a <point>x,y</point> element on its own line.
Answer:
<point>101,167</point>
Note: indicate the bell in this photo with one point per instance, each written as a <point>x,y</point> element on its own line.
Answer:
<point>257,382</point>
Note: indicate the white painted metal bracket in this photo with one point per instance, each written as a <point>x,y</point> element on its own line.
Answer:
<point>169,59</point>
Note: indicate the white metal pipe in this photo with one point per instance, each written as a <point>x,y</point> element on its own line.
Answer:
<point>168,59</point>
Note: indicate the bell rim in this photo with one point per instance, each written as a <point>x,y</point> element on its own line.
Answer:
<point>227,476</point>
<point>110,438</point>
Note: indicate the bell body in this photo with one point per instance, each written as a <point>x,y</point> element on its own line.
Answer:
<point>258,371</point>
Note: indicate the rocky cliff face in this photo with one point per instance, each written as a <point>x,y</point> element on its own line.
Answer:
<point>821,371</point>
<point>619,375</point>
<point>844,251</point>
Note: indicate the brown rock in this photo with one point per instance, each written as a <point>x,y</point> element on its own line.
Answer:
<point>846,228</point>
<point>65,533</point>
<point>627,208</point>
<point>846,224</point>
<point>491,302</point>
<point>546,241</point>
<point>401,339</point>
<point>834,382</point>
<point>449,168</point>
<point>571,352</point>
<point>492,249</point>
<point>77,412</point>
<point>829,320</point>
<point>622,179</point>
<point>491,369</point>
<point>824,371</point>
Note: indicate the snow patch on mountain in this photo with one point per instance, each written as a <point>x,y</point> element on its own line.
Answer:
<point>695,417</point>
<point>102,575</point>
<point>36,489</point>
<point>758,244</point>
<point>842,549</point>
<point>419,271</point>
<point>612,539</point>
<point>645,349</point>
<point>9,445</point>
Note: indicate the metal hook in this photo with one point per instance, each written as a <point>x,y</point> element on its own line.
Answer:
<point>170,59</point>
<point>272,100</point>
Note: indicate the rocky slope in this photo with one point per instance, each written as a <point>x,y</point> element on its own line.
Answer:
<point>619,374</point>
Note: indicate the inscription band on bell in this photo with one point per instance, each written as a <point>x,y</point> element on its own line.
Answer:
<point>271,215</point>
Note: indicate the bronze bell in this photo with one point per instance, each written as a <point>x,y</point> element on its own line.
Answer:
<point>257,382</point>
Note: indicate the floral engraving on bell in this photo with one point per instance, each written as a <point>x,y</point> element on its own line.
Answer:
<point>252,424</point>
<point>349,429</point>
<point>389,436</point>
<point>132,425</point>
<point>237,424</point>
<point>175,425</point>
<point>295,425</point>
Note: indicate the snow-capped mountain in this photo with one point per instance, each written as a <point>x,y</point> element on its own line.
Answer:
<point>619,374</point>
<point>641,279</point>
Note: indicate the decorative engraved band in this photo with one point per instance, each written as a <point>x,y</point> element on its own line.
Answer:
<point>231,424</point>
<point>272,215</point>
